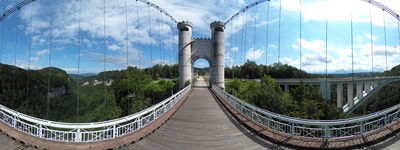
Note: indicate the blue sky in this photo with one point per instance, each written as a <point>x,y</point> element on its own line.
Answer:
<point>157,43</point>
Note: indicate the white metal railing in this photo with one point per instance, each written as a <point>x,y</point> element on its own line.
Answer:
<point>88,132</point>
<point>325,129</point>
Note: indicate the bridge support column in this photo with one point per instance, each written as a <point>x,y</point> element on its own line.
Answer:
<point>360,90</point>
<point>325,89</point>
<point>339,94</point>
<point>367,86</point>
<point>375,83</point>
<point>185,53</point>
<point>350,94</point>
<point>286,88</point>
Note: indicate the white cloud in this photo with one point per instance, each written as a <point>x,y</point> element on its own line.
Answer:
<point>34,58</point>
<point>160,61</point>
<point>340,58</point>
<point>42,52</point>
<point>254,54</point>
<point>264,22</point>
<point>358,39</point>
<point>374,38</point>
<point>119,60</point>
<point>234,49</point>
<point>114,47</point>
<point>201,64</point>
<point>310,46</point>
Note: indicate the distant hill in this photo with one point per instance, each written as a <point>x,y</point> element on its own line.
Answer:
<point>395,71</point>
<point>88,74</point>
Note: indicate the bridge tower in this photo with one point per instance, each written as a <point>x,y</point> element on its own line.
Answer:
<point>211,49</point>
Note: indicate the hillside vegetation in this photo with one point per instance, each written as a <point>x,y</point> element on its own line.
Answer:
<point>116,94</point>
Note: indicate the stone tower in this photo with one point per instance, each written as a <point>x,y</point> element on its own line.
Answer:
<point>212,49</point>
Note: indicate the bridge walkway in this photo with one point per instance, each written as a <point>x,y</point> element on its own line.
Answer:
<point>11,144</point>
<point>201,123</point>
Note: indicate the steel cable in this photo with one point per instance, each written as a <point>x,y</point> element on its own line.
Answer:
<point>79,53</point>
<point>29,59</point>
<point>105,59</point>
<point>279,32</point>
<point>49,71</point>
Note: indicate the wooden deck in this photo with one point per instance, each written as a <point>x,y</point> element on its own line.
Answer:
<point>202,123</point>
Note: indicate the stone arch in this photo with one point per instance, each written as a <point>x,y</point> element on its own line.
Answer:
<point>210,49</point>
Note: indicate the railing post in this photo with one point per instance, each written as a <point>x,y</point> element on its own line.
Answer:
<point>40,130</point>
<point>140,122</point>
<point>78,135</point>
<point>362,128</point>
<point>252,115</point>
<point>386,120</point>
<point>114,131</point>
<point>292,131</point>
<point>326,133</point>
<point>14,122</point>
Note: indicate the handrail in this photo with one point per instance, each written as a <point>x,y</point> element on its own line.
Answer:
<point>312,128</point>
<point>118,127</point>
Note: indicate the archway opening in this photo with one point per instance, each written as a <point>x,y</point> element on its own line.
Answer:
<point>201,73</point>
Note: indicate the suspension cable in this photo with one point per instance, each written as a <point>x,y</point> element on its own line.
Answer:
<point>245,38</point>
<point>79,55</point>
<point>127,52</point>
<point>255,35</point>
<point>279,34</point>
<point>29,59</point>
<point>301,39</point>
<point>267,39</point>
<point>230,42</point>
<point>241,41</point>
<point>352,48</point>
<point>236,45</point>
<point>137,32</point>
<point>1,47</point>
<point>105,59</point>
<point>151,51</point>
<point>384,31</point>
<point>49,71</point>
<point>15,62</point>
<point>1,43</point>
<point>160,42</point>
<point>326,55</point>
<point>150,34</point>
<point>372,46</point>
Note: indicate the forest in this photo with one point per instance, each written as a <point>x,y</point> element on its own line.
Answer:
<point>53,94</point>
<point>250,70</point>
<point>303,101</point>
<point>131,90</point>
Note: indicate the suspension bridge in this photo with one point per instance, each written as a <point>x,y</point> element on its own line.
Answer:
<point>201,114</point>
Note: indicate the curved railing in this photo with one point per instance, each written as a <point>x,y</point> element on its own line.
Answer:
<point>88,132</point>
<point>325,129</point>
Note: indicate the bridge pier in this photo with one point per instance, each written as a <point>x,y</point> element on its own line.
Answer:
<point>360,90</point>
<point>286,88</point>
<point>350,94</point>
<point>325,89</point>
<point>339,93</point>
<point>367,86</point>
